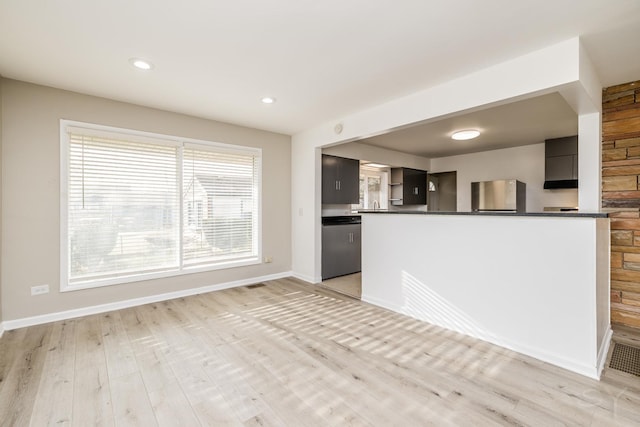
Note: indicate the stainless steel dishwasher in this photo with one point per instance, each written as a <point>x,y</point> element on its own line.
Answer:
<point>341,245</point>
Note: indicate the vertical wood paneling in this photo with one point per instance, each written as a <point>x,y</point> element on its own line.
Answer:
<point>620,189</point>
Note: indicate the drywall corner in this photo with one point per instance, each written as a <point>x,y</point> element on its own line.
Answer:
<point>1,194</point>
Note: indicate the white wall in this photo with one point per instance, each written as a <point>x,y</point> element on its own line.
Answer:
<point>603,290</point>
<point>585,96</point>
<point>524,163</point>
<point>520,78</point>
<point>525,283</point>
<point>590,158</point>
<point>1,327</point>
<point>306,195</point>
<point>31,196</point>
<point>360,151</point>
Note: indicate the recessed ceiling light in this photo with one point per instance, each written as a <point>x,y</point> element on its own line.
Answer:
<point>268,100</point>
<point>141,64</point>
<point>465,134</point>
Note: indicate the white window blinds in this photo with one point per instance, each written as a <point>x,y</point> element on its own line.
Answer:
<point>139,207</point>
<point>220,200</point>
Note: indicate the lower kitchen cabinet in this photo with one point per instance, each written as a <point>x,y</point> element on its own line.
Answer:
<point>341,247</point>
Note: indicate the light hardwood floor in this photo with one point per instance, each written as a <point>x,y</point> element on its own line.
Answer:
<point>286,354</point>
<point>350,285</point>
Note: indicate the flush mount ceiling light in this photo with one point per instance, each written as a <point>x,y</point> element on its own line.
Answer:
<point>268,100</point>
<point>377,165</point>
<point>465,134</point>
<point>141,64</point>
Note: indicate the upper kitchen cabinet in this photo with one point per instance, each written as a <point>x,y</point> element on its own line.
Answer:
<point>561,162</point>
<point>408,187</point>
<point>340,180</point>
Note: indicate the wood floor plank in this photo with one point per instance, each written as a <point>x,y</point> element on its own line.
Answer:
<point>131,405</point>
<point>91,390</point>
<point>288,354</point>
<point>171,407</point>
<point>117,346</point>
<point>10,351</point>
<point>605,418</point>
<point>147,349</point>
<point>54,401</point>
<point>20,385</point>
<point>273,389</point>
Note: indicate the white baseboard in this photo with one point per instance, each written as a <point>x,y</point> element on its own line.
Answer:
<point>305,278</point>
<point>604,350</point>
<point>102,308</point>
<point>537,353</point>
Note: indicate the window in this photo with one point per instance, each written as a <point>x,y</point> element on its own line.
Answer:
<point>137,206</point>
<point>373,189</point>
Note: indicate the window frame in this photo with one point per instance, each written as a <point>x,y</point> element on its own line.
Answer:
<point>179,142</point>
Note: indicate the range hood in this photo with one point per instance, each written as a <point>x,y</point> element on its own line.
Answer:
<point>561,162</point>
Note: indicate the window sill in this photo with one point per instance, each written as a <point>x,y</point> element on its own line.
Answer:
<point>89,284</point>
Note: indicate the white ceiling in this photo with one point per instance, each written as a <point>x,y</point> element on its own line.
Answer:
<point>321,59</point>
<point>524,122</point>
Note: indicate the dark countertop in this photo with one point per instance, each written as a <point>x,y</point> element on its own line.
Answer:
<point>498,213</point>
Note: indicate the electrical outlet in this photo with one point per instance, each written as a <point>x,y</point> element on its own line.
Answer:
<point>39,290</point>
<point>268,259</point>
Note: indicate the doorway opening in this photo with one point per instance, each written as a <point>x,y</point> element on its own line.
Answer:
<point>442,192</point>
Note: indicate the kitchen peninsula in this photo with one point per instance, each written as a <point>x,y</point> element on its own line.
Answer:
<point>536,283</point>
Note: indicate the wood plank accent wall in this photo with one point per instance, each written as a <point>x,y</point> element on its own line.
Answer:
<point>620,189</point>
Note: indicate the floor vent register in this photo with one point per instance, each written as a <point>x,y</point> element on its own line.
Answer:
<point>626,359</point>
<point>257,285</point>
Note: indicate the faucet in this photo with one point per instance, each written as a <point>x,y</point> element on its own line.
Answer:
<point>376,205</point>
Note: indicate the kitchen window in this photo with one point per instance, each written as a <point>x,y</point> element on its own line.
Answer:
<point>373,189</point>
<point>138,206</point>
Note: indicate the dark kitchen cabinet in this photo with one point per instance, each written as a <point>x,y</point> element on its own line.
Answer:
<point>561,163</point>
<point>340,180</point>
<point>408,187</point>
<point>341,247</point>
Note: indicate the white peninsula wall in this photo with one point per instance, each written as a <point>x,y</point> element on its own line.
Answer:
<point>536,284</point>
